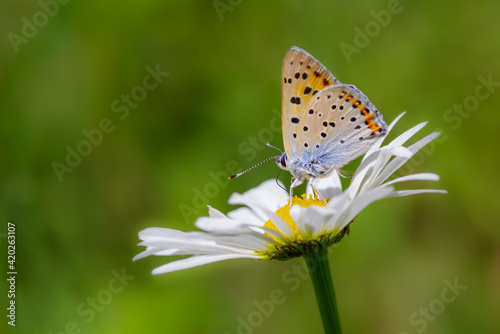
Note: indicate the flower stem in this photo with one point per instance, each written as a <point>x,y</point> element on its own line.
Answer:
<point>319,269</point>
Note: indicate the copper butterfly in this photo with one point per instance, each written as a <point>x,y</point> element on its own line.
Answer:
<point>325,123</point>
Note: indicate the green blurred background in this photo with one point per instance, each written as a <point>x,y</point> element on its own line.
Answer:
<point>77,231</point>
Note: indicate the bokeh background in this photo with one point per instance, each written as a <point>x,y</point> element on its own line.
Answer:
<point>166,152</point>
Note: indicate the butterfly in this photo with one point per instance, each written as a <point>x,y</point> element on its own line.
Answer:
<point>325,123</point>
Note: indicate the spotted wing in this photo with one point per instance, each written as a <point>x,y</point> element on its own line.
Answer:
<point>338,125</point>
<point>302,78</point>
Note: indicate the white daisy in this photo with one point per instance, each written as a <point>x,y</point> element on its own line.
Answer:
<point>268,226</point>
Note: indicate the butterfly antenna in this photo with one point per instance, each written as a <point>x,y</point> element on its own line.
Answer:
<point>269,145</point>
<point>249,169</point>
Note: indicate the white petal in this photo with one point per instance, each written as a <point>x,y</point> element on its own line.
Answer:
<point>369,175</point>
<point>401,151</point>
<point>402,138</point>
<point>393,123</point>
<point>311,219</point>
<point>415,177</point>
<point>275,234</point>
<point>220,225</point>
<point>329,186</point>
<point>422,142</point>
<point>397,162</point>
<point>195,261</point>
<point>214,213</point>
<point>170,252</point>
<point>297,213</point>
<point>358,204</point>
<point>265,200</point>
<point>251,240</point>
<point>267,195</point>
<point>401,193</point>
<point>302,219</point>
<point>196,242</point>
<point>382,160</point>
<point>246,215</point>
<point>152,251</point>
<point>158,233</point>
<point>368,171</point>
<point>309,190</point>
<point>362,172</point>
<point>280,224</point>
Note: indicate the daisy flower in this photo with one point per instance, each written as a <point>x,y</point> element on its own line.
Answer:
<point>271,225</point>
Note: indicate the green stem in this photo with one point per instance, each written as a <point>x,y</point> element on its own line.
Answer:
<point>319,269</point>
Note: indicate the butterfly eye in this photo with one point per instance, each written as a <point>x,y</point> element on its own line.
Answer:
<point>283,161</point>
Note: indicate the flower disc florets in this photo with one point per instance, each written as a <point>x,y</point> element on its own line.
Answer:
<point>300,243</point>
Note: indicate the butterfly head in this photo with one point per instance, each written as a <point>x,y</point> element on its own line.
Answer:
<point>282,161</point>
<point>300,169</point>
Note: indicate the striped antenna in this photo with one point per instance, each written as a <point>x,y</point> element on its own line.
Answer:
<point>249,169</point>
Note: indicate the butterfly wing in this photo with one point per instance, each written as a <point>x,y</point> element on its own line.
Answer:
<point>302,78</point>
<point>338,124</point>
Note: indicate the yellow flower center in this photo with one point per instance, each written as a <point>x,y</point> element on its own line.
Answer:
<point>300,243</point>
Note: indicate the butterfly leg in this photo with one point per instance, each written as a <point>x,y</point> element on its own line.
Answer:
<point>295,183</point>
<point>346,174</point>
<point>315,191</point>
